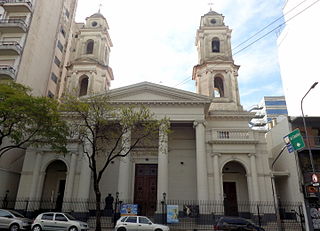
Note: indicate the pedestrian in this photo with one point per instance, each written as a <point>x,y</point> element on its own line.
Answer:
<point>109,205</point>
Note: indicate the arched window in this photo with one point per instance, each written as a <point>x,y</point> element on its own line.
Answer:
<point>90,44</point>
<point>215,45</point>
<point>218,90</point>
<point>84,86</point>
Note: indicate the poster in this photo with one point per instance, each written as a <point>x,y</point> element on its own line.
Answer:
<point>129,210</point>
<point>172,214</point>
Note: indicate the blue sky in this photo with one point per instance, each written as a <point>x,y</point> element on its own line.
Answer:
<point>154,41</point>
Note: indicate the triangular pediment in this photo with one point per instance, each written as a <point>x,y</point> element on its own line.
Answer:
<point>146,92</point>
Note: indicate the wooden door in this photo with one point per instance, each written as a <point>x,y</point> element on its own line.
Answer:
<point>145,188</point>
<point>230,199</point>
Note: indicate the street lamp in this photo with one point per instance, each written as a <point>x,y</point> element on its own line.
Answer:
<point>305,128</point>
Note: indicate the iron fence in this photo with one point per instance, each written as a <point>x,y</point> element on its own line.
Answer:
<point>191,215</point>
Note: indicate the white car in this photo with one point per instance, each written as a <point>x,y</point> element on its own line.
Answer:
<point>136,223</point>
<point>13,221</point>
<point>58,221</point>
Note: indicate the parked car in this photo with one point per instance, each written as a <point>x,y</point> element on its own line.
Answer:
<point>138,223</point>
<point>58,221</point>
<point>13,221</point>
<point>236,224</point>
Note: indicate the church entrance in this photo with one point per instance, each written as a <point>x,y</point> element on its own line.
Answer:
<point>230,199</point>
<point>235,189</point>
<point>54,186</point>
<point>145,188</point>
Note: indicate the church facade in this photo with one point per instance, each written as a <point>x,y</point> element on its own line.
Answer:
<point>210,155</point>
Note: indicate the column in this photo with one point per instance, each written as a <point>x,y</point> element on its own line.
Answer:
<point>85,176</point>
<point>69,183</point>
<point>254,177</point>
<point>216,177</point>
<point>124,168</point>
<point>35,177</point>
<point>202,174</point>
<point>162,162</point>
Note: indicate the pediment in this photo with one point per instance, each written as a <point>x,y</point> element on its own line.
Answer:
<point>146,92</point>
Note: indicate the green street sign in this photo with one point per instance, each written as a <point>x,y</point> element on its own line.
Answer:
<point>296,139</point>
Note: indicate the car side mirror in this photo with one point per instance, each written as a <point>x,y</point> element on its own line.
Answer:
<point>150,223</point>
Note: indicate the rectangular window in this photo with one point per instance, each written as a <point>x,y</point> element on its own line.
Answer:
<point>57,61</point>
<point>54,77</point>
<point>48,216</point>
<point>277,111</point>
<point>50,95</point>
<point>67,13</point>
<point>63,32</point>
<point>60,46</point>
<point>271,103</point>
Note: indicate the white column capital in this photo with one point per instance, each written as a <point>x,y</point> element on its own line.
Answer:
<point>199,122</point>
<point>213,154</point>
<point>252,155</point>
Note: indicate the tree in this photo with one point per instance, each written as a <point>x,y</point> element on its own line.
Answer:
<point>102,129</point>
<point>26,120</point>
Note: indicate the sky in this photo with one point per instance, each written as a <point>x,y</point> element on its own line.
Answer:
<point>154,41</point>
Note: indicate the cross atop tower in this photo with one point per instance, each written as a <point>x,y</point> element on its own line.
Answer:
<point>210,3</point>
<point>100,5</point>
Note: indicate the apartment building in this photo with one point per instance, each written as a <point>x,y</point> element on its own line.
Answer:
<point>34,38</point>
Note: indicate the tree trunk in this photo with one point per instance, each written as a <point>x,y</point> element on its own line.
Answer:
<point>98,209</point>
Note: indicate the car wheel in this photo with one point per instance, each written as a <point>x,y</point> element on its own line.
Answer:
<point>14,227</point>
<point>73,228</point>
<point>36,228</point>
<point>158,230</point>
<point>121,229</point>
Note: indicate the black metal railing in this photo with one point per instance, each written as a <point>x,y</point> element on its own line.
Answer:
<point>190,214</point>
<point>10,44</point>
<point>15,1</point>
<point>18,21</point>
<point>7,68</point>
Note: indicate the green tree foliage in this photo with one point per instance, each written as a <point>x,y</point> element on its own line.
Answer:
<point>26,120</point>
<point>101,128</point>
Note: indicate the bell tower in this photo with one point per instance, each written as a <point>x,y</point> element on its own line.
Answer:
<point>89,71</point>
<point>216,74</point>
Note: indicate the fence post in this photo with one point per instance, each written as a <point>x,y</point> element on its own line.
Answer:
<point>259,218</point>
<point>301,218</point>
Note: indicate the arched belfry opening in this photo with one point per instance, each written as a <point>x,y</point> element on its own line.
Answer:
<point>89,47</point>
<point>215,45</point>
<point>218,89</point>
<point>83,85</point>
<point>235,188</point>
<point>54,186</point>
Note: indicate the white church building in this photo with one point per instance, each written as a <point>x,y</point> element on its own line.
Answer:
<point>210,155</point>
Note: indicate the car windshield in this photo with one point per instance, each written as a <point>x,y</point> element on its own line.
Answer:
<point>70,217</point>
<point>16,214</point>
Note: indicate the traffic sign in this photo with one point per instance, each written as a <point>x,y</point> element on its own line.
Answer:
<point>296,139</point>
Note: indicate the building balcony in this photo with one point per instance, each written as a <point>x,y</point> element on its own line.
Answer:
<point>7,72</point>
<point>13,25</point>
<point>230,135</point>
<point>314,141</point>
<point>10,48</point>
<point>16,5</point>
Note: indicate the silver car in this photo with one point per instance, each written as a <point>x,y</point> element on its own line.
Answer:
<point>13,220</point>
<point>138,223</point>
<point>58,221</point>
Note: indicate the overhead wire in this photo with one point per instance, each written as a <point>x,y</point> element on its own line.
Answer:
<point>188,78</point>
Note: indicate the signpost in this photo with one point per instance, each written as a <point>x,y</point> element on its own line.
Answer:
<point>294,141</point>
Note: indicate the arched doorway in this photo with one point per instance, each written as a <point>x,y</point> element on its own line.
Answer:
<point>235,188</point>
<point>54,185</point>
